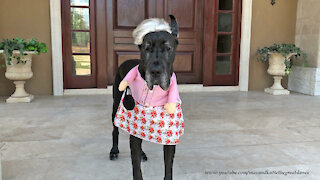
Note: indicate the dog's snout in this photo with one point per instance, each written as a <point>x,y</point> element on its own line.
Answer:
<point>155,73</point>
<point>155,68</point>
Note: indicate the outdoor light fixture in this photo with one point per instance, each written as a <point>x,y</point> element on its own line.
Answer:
<point>273,2</point>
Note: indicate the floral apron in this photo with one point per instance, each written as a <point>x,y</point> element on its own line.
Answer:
<point>151,123</point>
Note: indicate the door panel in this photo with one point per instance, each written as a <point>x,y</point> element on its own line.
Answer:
<point>179,8</point>
<point>122,56</point>
<point>183,62</point>
<point>127,14</point>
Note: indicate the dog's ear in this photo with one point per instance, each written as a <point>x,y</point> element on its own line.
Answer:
<point>174,26</point>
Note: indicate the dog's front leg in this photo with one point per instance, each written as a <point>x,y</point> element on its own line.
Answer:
<point>135,147</point>
<point>115,140</point>
<point>168,151</point>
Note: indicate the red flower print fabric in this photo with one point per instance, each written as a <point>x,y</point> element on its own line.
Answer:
<point>151,123</point>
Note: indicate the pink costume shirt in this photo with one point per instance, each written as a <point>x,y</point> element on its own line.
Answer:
<point>156,97</point>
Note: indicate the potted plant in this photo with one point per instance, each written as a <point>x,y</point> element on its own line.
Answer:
<point>279,57</point>
<point>18,59</point>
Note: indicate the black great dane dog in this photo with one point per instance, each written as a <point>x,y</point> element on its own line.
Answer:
<point>156,67</point>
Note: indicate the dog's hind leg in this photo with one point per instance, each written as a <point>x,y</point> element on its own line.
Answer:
<point>135,147</point>
<point>168,151</point>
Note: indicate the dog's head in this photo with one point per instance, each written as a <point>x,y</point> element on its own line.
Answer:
<point>157,42</point>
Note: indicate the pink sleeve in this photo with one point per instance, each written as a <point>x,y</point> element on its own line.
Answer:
<point>132,74</point>
<point>173,90</point>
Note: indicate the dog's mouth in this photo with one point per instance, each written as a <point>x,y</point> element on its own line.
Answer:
<point>162,81</point>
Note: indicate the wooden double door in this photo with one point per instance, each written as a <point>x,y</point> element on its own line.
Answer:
<point>97,38</point>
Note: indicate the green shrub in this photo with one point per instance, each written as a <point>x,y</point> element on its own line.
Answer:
<point>8,46</point>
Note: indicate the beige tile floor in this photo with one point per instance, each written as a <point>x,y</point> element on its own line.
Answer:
<point>70,138</point>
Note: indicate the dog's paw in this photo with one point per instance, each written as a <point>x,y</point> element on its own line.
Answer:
<point>113,154</point>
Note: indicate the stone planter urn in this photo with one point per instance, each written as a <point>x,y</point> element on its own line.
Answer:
<point>19,74</point>
<point>277,69</point>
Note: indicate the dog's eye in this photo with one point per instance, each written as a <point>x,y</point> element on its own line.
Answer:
<point>168,48</point>
<point>147,47</point>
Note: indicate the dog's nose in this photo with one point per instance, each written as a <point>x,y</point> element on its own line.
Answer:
<point>155,73</point>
